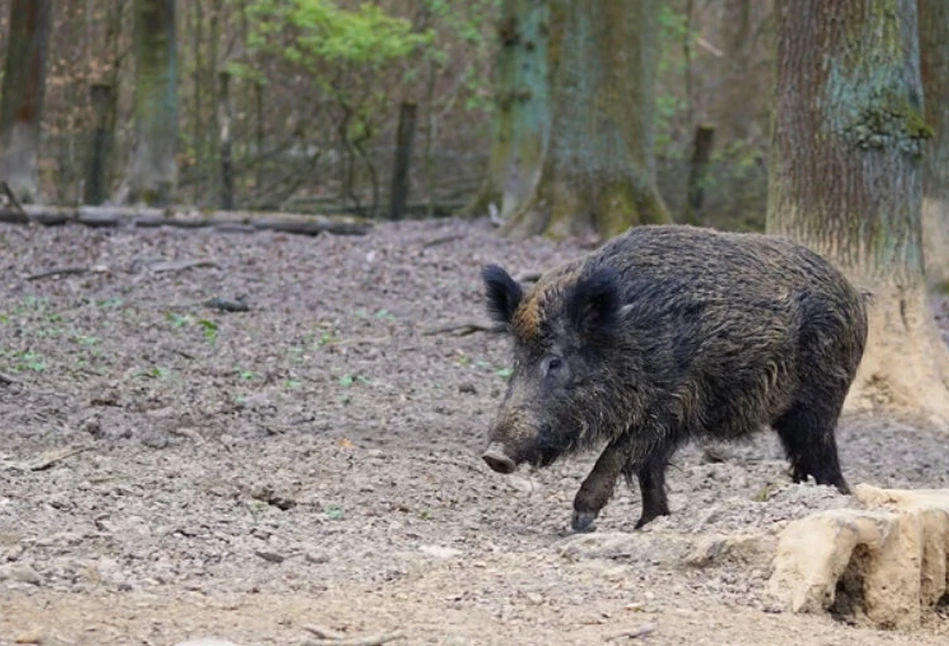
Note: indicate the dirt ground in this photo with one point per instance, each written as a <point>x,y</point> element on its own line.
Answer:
<point>170,471</point>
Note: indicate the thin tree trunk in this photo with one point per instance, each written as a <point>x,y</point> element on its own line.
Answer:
<point>22,95</point>
<point>225,114</point>
<point>736,97</point>
<point>934,66</point>
<point>96,188</point>
<point>701,153</point>
<point>259,103</point>
<point>598,175</point>
<point>196,18</point>
<point>845,179</point>
<point>153,172</point>
<point>403,158</point>
<point>522,95</point>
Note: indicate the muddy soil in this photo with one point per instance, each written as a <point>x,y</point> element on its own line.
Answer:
<point>170,471</point>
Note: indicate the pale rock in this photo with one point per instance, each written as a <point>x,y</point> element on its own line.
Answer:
<point>896,550</point>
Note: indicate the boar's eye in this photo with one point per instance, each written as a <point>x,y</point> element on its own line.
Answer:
<point>553,365</point>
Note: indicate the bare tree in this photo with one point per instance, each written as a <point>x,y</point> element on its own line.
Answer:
<point>22,94</point>
<point>598,172</point>
<point>522,98</point>
<point>845,179</point>
<point>934,66</point>
<point>153,172</point>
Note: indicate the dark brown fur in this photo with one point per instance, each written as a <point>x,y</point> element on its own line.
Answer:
<point>668,333</point>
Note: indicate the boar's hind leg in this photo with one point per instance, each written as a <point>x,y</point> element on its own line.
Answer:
<point>652,487</point>
<point>807,433</point>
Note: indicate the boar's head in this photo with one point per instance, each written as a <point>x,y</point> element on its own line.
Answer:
<point>562,393</point>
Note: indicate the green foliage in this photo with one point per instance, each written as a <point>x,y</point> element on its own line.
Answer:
<point>320,32</point>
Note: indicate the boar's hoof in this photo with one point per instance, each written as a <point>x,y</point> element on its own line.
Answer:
<point>582,522</point>
<point>497,460</point>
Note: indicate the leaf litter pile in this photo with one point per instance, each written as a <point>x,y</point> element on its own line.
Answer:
<point>275,439</point>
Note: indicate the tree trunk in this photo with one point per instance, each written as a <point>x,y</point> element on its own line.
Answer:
<point>845,179</point>
<point>701,153</point>
<point>96,177</point>
<point>598,173</point>
<point>22,94</point>
<point>225,116</point>
<point>153,172</point>
<point>403,157</point>
<point>934,66</point>
<point>522,121</point>
<point>736,98</point>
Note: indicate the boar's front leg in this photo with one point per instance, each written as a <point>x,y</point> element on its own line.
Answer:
<point>628,455</point>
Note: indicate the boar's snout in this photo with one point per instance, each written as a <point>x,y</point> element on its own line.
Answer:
<point>498,459</point>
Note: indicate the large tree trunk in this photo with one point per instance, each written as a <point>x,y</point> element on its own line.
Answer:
<point>845,179</point>
<point>598,173</point>
<point>522,121</point>
<point>934,65</point>
<point>22,93</point>
<point>153,172</point>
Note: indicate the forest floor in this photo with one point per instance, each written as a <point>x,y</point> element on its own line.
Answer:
<point>169,471</point>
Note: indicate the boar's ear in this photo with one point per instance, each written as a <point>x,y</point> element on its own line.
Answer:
<point>503,294</point>
<point>594,302</point>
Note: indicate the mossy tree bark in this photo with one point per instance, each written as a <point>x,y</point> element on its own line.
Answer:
<point>598,176</point>
<point>22,94</point>
<point>845,179</point>
<point>522,121</point>
<point>934,67</point>
<point>153,171</point>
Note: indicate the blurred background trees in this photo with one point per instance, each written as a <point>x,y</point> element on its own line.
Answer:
<point>295,104</point>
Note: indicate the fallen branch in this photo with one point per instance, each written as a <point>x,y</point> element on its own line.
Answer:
<point>49,459</point>
<point>180,265</point>
<point>323,632</point>
<point>371,640</point>
<point>7,380</point>
<point>69,271</point>
<point>634,633</point>
<point>461,329</point>
<point>113,216</point>
<point>443,240</point>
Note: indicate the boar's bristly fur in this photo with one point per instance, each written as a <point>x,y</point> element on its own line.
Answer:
<point>668,333</point>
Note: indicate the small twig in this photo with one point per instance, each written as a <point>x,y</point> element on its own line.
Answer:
<point>15,202</point>
<point>461,329</point>
<point>68,271</point>
<point>46,461</point>
<point>324,632</point>
<point>181,265</point>
<point>371,640</point>
<point>442,240</point>
<point>7,380</point>
<point>634,633</point>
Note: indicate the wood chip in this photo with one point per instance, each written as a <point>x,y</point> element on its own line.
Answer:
<point>633,633</point>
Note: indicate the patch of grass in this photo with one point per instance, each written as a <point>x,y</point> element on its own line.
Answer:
<point>177,320</point>
<point>504,373</point>
<point>327,338</point>
<point>27,360</point>
<point>292,384</point>
<point>110,303</point>
<point>297,354</point>
<point>246,374</point>
<point>333,512</point>
<point>209,328</point>
<point>385,315</point>
<point>154,372</point>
